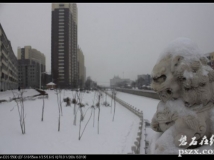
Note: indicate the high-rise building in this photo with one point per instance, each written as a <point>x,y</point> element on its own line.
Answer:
<point>8,64</point>
<point>64,65</point>
<point>31,65</point>
<point>81,67</point>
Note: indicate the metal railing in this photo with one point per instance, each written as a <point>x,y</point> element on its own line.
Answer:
<point>135,149</point>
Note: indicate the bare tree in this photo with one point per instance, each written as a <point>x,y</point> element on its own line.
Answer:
<point>105,102</point>
<point>94,109</point>
<point>43,106</point>
<point>79,97</point>
<point>19,99</point>
<point>58,102</point>
<point>112,100</point>
<point>98,106</point>
<point>114,95</point>
<point>74,101</point>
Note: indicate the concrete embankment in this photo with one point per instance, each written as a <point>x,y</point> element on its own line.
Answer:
<point>145,93</point>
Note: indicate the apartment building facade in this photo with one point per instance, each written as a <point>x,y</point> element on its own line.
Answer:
<point>8,64</point>
<point>81,67</point>
<point>31,66</point>
<point>64,65</point>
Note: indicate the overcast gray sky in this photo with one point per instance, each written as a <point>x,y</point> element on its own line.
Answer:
<point>116,38</point>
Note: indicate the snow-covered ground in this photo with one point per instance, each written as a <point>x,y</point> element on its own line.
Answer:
<point>43,137</point>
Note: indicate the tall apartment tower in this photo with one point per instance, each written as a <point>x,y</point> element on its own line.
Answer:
<point>64,45</point>
<point>31,66</point>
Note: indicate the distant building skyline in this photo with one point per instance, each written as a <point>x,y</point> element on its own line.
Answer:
<point>116,80</point>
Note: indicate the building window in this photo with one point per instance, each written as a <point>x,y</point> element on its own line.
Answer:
<point>61,29</point>
<point>61,77</point>
<point>61,54</point>
<point>61,5</point>
<point>61,13</point>
<point>61,10</point>
<point>61,17</point>
<point>61,23</point>
<point>61,33</point>
<point>61,39</point>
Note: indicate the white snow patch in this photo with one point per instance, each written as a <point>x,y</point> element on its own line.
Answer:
<point>187,74</point>
<point>177,106</point>
<point>182,46</point>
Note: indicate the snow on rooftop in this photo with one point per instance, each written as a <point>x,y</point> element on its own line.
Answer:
<point>51,83</point>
